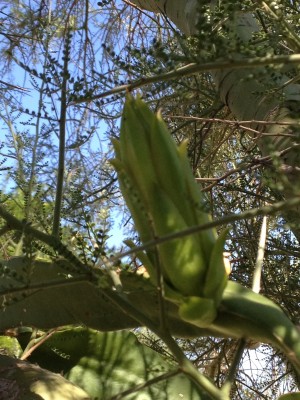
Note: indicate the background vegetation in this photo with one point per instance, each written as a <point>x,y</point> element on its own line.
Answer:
<point>65,68</point>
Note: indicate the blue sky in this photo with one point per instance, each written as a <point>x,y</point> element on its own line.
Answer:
<point>26,124</point>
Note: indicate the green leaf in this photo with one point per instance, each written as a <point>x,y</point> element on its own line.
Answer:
<point>105,364</point>
<point>10,346</point>
<point>80,302</point>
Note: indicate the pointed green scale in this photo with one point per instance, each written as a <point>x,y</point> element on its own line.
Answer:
<point>196,197</point>
<point>134,148</point>
<point>169,173</point>
<point>134,202</point>
<point>208,237</point>
<point>181,259</point>
<point>216,277</point>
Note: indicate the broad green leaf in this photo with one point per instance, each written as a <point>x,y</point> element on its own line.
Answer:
<point>56,301</point>
<point>82,302</point>
<point>10,346</point>
<point>105,364</point>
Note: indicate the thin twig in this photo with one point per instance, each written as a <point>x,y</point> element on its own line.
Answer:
<point>35,343</point>
<point>195,68</point>
<point>260,256</point>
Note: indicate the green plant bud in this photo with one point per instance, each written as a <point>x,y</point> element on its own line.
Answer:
<point>163,198</point>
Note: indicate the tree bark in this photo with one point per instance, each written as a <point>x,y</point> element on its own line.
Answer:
<point>247,98</point>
